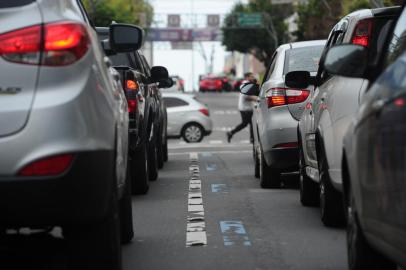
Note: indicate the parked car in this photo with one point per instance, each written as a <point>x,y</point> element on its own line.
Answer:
<point>374,151</point>
<point>147,116</point>
<point>140,101</point>
<point>334,103</point>
<point>187,117</point>
<point>214,83</point>
<point>64,127</point>
<point>278,110</point>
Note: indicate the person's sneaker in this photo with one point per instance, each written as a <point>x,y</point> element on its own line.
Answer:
<point>229,135</point>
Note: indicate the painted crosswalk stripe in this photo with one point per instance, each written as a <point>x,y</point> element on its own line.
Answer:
<point>196,226</point>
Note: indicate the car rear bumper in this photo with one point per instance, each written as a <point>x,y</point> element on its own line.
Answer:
<point>80,195</point>
<point>285,159</point>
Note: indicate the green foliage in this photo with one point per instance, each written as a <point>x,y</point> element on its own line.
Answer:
<point>353,5</point>
<point>316,18</point>
<point>103,12</point>
<point>259,41</point>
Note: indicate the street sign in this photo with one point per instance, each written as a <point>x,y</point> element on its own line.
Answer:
<point>184,34</point>
<point>173,20</point>
<point>213,20</point>
<point>249,19</point>
<point>182,45</point>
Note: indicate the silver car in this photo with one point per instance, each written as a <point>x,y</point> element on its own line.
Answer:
<point>63,130</point>
<point>278,110</point>
<point>187,117</point>
<point>331,109</point>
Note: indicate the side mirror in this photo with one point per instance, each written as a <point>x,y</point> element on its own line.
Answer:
<point>125,37</point>
<point>165,83</point>
<point>159,74</point>
<point>298,79</point>
<point>347,60</point>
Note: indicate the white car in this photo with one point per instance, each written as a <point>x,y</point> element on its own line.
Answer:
<point>187,117</point>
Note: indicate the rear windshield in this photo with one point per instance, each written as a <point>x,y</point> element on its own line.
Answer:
<point>120,59</point>
<point>306,58</point>
<point>14,3</point>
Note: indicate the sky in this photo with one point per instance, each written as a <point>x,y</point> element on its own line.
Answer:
<point>180,62</point>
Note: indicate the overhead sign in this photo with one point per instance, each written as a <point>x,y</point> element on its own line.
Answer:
<point>182,45</point>
<point>249,19</point>
<point>213,20</point>
<point>183,35</point>
<point>173,20</point>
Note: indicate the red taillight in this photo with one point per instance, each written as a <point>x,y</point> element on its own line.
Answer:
<point>61,43</point>
<point>47,167</point>
<point>132,105</point>
<point>131,85</point>
<point>22,46</point>
<point>204,111</point>
<point>287,145</point>
<point>284,96</point>
<point>362,33</point>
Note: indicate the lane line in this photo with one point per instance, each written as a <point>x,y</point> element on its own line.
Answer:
<point>230,152</point>
<point>195,226</point>
<point>234,233</point>
<point>219,188</point>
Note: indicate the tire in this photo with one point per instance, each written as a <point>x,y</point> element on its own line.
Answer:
<point>360,254</point>
<point>256,164</point>
<point>331,200</point>
<point>126,214</point>
<point>192,133</point>
<point>152,160</point>
<point>269,178</point>
<point>139,171</point>
<point>309,190</point>
<point>97,245</point>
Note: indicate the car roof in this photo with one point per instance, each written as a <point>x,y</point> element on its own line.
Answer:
<point>309,43</point>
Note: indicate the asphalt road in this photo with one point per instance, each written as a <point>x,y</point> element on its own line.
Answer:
<point>207,211</point>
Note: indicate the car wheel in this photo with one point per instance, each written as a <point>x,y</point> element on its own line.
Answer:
<point>126,214</point>
<point>97,245</point>
<point>309,190</point>
<point>192,133</point>
<point>331,200</point>
<point>269,178</point>
<point>152,160</point>
<point>360,254</point>
<point>139,171</point>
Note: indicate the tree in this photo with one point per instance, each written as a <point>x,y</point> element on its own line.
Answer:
<point>103,12</point>
<point>258,41</point>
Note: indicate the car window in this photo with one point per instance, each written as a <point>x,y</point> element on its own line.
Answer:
<point>174,102</point>
<point>306,58</point>
<point>120,59</point>
<point>15,3</point>
<point>397,44</point>
<point>271,67</point>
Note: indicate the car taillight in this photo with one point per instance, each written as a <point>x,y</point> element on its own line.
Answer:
<point>132,95</point>
<point>362,33</point>
<point>48,166</point>
<point>22,46</point>
<point>204,111</point>
<point>284,96</point>
<point>64,43</point>
<point>60,44</point>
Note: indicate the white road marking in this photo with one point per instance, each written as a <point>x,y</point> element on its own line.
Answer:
<point>195,226</point>
<point>208,144</point>
<point>230,152</point>
<point>227,112</point>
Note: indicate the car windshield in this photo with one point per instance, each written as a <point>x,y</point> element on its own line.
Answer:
<point>306,58</point>
<point>120,59</point>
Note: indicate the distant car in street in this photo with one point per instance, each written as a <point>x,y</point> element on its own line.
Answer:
<point>64,130</point>
<point>374,153</point>
<point>279,109</point>
<point>187,117</point>
<point>214,83</point>
<point>331,109</point>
